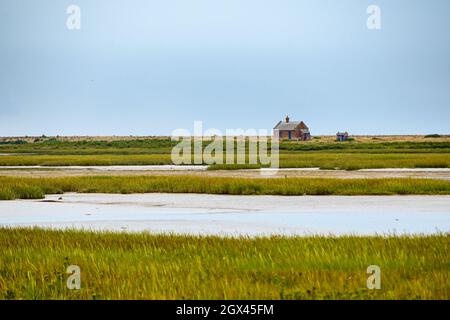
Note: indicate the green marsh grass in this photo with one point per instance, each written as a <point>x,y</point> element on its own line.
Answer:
<point>316,153</point>
<point>36,188</point>
<point>33,263</point>
<point>164,145</point>
<point>324,160</point>
<point>85,160</point>
<point>355,161</point>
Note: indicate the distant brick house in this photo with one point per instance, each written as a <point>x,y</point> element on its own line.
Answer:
<point>292,130</point>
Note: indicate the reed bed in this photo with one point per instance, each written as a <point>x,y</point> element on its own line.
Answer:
<point>33,265</point>
<point>36,188</point>
<point>323,160</point>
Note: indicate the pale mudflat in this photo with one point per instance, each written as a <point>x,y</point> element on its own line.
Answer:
<point>229,215</point>
<point>42,171</point>
<point>123,170</point>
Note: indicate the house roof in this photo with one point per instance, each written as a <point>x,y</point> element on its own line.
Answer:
<point>291,125</point>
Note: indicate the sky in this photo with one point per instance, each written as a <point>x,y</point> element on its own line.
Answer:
<point>147,67</point>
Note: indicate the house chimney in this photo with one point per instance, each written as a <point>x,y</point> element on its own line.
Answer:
<point>287,119</point>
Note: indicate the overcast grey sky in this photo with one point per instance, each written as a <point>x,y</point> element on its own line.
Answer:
<point>148,67</point>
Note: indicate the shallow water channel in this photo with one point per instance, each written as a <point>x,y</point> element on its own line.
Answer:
<point>234,215</point>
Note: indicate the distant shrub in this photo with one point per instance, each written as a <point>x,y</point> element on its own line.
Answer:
<point>13,142</point>
<point>434,135</point>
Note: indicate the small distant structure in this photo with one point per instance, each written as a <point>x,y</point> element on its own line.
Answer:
<point>292,130</point>
<point>342,136</point>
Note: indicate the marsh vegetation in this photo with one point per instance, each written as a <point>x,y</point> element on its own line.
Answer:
<point>144,266</point>
<point>322,153</point>
<point>36,188</point>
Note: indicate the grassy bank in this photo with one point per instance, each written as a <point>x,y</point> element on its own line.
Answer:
<point>143,266</point>
<point>36,188</point>
<point>352,161</point>
<point>363,152</point>
<point>127,145</point>
<point>324,160</point>
<point>85,160</point>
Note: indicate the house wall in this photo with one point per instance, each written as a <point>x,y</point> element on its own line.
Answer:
<point>295,135</point>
